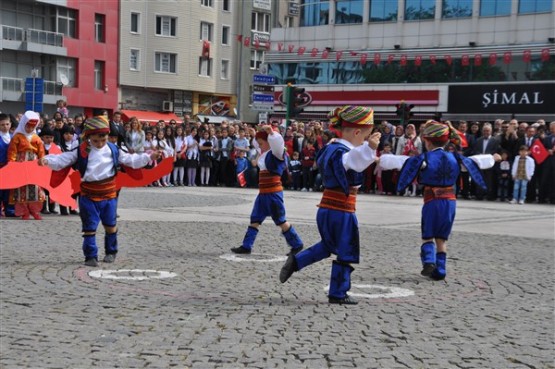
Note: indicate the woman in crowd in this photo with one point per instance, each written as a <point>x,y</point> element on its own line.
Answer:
<point>192,157</point>
<point>409,142</point>
<point>135,137</point>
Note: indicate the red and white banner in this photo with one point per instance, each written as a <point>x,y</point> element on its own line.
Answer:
<point>538,151</point>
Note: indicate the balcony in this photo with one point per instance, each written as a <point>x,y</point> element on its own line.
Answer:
<point>32,40</point>
<point>13,89</point>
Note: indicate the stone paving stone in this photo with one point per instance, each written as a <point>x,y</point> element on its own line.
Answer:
<point>495,310</point>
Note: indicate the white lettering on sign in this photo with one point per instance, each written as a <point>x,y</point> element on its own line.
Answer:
<point>505,98</point>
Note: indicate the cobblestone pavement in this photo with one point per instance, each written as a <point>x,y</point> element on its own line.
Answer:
<point>495,309</point>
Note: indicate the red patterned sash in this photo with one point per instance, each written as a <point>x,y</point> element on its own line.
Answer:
<point>434,193</point>
<point>100,190</point>
<point>336,200</point>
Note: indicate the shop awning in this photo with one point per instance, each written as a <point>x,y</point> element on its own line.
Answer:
<point>149,116</point>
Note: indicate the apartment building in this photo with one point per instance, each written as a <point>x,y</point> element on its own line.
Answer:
<point>68,47</point>
<point>472,59</point>
<point>178,58</point>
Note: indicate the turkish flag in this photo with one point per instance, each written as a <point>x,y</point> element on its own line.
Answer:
<point>478,60</point>
<point>256,43</point>
<point>240,38</point>
<point>363,58</point>
<point>465,61</point>
<point>268,45</point>
<point>390,59</point>
<point>301,50</point>
<point>545,55</point>
<point>247,41</point>
<point>403,61</point>
<point>314,52</point>
<point>241,179</point>
<point>291,48</point>
<point>507,57</point>
<point>418,60</point>
<point>538,151</point>
<point>492,59</point>
<point>527,56</point>
<point>433,59</point>
<point>325,54</point>
<point>338,55</point>
<point>280,46</point>
<point>448,59</point>
<point>377,58</point>
<point>353,53</point>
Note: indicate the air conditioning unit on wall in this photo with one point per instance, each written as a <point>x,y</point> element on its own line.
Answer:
<point>167,105</point>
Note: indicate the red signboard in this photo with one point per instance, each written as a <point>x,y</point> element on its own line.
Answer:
<point>372,98</point>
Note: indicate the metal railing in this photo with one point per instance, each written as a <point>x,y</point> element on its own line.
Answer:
<point>18,85</point>
<point>45,37</point>
<point>13,33</point>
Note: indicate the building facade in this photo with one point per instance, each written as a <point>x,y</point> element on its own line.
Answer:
<point>178,58</point>
<point>69,45</point>
<point>473,59</point>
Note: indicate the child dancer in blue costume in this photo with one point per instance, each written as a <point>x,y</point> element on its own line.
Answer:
<point>438,171</point>
<point>341,163</point>
<point>269,201</point>
<point>97,161</point>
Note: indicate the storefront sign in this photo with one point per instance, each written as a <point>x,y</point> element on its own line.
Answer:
<point>262,4</point>
<point>537,98</point>
<point>293,9</point>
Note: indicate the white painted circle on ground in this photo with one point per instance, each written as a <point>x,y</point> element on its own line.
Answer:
<point>131,274</point>
<point>258,258</point>
<point>380,292</point>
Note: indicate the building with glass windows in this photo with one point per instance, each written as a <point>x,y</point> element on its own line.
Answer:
<point>63,50</point>
<point>472,59</point>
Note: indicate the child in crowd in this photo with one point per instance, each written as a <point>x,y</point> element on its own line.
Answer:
<point>522,171</point>
<point>411,189</point>
<point>47,137</point>
<point>307,162</point>
<point>295,168</point>
<point>341,164</point>
<point>162,146</point>
<point>438,170</point>
<point>192,158</point>
<point>97,161</point>
<point>269,201</point>
<point>180,158</point>
<point>241,165</point>
<point>388,187</point>
<point>68,144</point>
<point>5,138</point>
<point>503,170</point>
<point>61,107</point>
<point>205,158</point>
<point>26,145</point>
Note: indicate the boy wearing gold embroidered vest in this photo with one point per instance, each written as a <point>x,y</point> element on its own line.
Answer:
<point>342,163</point>
<point>269,201</point>
<point>97,161</point>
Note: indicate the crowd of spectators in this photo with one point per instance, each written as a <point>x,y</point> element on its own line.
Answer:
<point>207,154</point>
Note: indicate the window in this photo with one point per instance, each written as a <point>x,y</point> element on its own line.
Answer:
<point>99,30</point>
<point>209,3</point>
<point>224,74</point>
<point>135,22</point>
<point>348,11</point>
<point>204,67</point>
<point>383,11</point>
<point>289,22</point>
<point>260,22</point>
<point>314,12</point>
<point>165,26</point>
<point>164,62</point>
<point>420,9</point>
<point>495,8</point>
<point>134,59</point>
<point>66,22</point>
<point>205,31</point>
<point>534,6</point>
<point>226,6</point>
<point>256,58</point>
<point>67,67</point>
<point>457,8</point>
<point>99,75</point>
<point>225,35</point>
